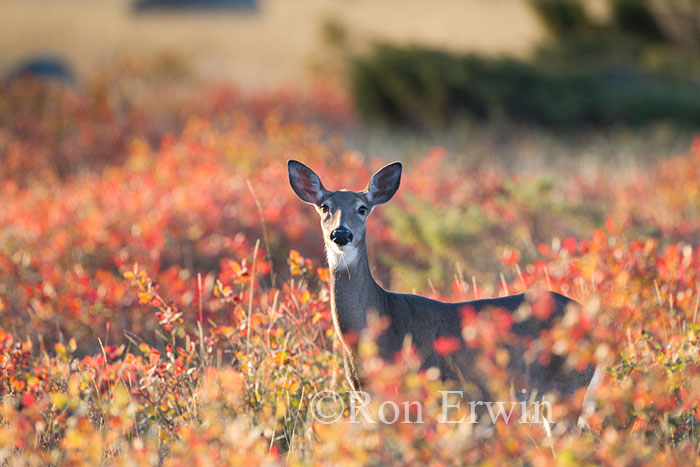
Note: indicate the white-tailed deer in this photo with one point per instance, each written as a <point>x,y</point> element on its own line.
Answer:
<point>354,293</point>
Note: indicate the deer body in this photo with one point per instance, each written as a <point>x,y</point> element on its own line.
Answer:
<point>355,293</point>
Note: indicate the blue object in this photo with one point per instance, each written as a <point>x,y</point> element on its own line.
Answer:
<point>45,68</point>
<point>145,5</point>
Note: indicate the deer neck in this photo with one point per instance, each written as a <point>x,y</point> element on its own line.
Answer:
<point>354,291</point>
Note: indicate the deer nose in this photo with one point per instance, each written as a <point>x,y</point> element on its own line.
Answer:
<point>341,236</point>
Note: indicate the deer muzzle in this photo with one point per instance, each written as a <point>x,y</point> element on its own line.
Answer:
<point>341,236</point>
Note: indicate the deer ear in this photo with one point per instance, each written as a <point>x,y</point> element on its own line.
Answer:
<point>305,182</point>
<point>384,184</point>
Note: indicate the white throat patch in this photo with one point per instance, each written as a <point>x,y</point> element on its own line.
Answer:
<point>341,258</point>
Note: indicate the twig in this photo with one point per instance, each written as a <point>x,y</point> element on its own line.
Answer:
<point>266,237</point>
<point>522,279</point>
<point>548,431</point>
<point>658,292</point>
<point>250,295</point>
<point>546,274</point>
<point>505,284</point>
<point>201,317</point>
<point>104,354</point>
<point>294,427</point>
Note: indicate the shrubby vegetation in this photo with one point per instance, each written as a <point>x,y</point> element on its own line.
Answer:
<point>169,302</point>
<point>638,67</point>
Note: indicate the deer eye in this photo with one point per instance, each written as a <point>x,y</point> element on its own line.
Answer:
<point>324,208</point>
<point>362,210</point>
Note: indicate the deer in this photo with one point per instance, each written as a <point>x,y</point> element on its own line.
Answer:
<point>354,294</point>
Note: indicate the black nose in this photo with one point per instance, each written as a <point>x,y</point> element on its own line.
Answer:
<point>341,236</point>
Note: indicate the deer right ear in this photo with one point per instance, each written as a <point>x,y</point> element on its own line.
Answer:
<point>384,184</point>
<point>305,183</point>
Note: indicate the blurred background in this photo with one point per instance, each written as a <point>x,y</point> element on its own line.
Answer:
<point>532,83</point>
<point>256,43</point>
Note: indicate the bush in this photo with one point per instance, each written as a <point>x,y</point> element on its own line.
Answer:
<point>431,88</point>
<point>636,17</point>
<point>680,21</point>
<point>627,69</point>
<point>561,16</point>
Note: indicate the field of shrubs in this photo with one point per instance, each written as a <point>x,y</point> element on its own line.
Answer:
<point>164,296</point>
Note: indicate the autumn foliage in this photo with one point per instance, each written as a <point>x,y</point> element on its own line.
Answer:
<point>164,298</point>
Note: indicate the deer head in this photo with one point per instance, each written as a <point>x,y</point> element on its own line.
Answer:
<point>344,213</point>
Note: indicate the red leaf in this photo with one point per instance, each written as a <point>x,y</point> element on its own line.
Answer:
<point>27,399</point>
<point>446,345</point>
<point>543,306</point>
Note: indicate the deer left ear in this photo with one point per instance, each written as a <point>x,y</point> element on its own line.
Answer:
<point>305,182</point>
<point>384,184</point>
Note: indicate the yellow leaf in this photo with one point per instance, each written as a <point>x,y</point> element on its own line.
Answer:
<point>282,358</point>
<point>144,297</point>
<point>120,397</point>
<point>59,400</point>
<point>74,440</point>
